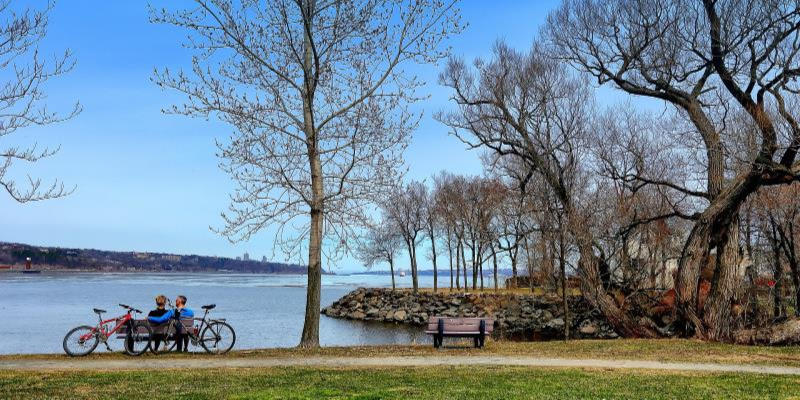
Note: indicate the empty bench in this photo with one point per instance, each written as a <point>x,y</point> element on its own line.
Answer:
<point>476,328</point>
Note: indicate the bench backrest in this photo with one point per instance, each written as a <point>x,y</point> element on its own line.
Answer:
<point>457,325</point>
<point>187,323</point>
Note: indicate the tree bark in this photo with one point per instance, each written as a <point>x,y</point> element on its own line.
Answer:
<point>724,285</point>
<point>562,263</point>
<point>391,271</point>
<point>414,273</point>
<point>450,258</point>
<point>310,335</point>
<point>458,264</point>
<point>494,260</point>
<point>435,270</point>
<point>716,227</point>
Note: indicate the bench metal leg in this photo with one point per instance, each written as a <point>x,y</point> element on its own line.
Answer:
<point>437,341</point>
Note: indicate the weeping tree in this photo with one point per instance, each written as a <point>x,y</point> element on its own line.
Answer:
<point>319,103</point>
<point>710,60</point>
<point>22,96</point>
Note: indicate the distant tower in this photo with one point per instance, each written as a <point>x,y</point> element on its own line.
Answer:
<point>246,257</point>
<point>264,259</point>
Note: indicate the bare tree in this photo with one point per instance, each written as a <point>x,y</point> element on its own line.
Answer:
<point>711,60</point>
<point>22,96</point>
<point>525,106</point>
<point>405,211</point>
<point>382,244</point>
<point>319,102</point>
<point>432,231</point>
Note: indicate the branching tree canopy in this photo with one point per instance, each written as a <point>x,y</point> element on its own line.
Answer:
<point>319,102</point>
<point>22,96</point>
<point>711,60</point>
<point>382,244</point>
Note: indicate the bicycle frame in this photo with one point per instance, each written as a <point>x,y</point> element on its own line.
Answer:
<point>101,330</point>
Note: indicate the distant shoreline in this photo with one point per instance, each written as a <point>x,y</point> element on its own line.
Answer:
<point>83,271</point>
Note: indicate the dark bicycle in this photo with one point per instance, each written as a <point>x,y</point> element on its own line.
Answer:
<point>215,336</point>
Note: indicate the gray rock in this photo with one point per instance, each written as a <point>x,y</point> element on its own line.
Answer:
<point>357,315</point>
<point>556,323</point>
<point>589,330</point>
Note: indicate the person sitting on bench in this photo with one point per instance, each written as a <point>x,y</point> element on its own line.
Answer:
<point>180,311</point>
<point>161,301</point>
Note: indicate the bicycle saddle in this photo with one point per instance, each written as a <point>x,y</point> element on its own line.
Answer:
<point>99,311</point>
<point>208,307</point>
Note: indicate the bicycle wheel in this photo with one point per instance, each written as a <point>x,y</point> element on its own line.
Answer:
<point>218,338</point>
<point>81,341</point>
<point>137,341</point>
<point>166,341</point>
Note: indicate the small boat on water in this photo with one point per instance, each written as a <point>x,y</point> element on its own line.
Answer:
<point>402,273</point>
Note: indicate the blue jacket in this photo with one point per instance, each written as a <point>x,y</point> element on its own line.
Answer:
<point>185,313</point>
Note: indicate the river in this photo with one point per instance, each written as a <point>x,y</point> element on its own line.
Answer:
<point>37,310</point>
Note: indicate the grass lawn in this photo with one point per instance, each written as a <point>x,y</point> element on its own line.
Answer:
<point>677,350</point>
<point>394,383</point>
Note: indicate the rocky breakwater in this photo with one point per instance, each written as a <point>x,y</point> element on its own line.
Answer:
<point>522,317</point>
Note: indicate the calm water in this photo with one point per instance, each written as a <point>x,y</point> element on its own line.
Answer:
<point>36,311</point>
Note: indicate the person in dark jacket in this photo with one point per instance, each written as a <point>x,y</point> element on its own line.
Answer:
<point>180,311</point>
<point>159,311</point>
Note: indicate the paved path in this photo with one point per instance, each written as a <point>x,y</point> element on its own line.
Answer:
<point>351,362</point>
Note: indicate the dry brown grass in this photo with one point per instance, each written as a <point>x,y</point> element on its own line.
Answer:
<point>676,350</point>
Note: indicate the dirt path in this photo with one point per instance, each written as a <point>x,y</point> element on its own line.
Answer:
<point>350,362</point>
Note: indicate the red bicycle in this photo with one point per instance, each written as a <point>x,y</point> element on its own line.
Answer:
<point>82,340</point>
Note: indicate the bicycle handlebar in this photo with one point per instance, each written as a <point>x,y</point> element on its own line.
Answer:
<point>130,308</point>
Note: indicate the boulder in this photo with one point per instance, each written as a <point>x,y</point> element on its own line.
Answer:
<point>357,315</point>
<point>400,315</point>
<point>589,329</point>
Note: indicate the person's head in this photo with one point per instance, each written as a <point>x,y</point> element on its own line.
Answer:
<point>180,301</point>
<point>161,300</point>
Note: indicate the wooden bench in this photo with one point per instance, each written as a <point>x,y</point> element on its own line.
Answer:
<point>188,325</point>
<point>476,328</point>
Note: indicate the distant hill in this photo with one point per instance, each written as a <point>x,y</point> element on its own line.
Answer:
<point>15,254</point>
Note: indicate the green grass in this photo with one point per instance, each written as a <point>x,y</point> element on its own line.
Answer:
<point>677,350</point>
<point>394,383</point>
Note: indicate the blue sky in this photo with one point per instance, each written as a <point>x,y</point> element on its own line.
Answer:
<point>148,181</point>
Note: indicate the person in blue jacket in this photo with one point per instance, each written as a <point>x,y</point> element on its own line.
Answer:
<point>180,311</point>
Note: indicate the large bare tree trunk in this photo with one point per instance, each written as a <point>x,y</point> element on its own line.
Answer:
<point>724,286</point>
<point>595,292</point>
<point>310,335</point>
<point>717,227</point>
